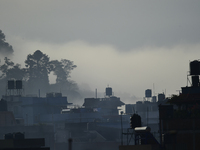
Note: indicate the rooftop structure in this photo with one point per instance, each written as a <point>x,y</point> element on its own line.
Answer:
<point>179,121</point>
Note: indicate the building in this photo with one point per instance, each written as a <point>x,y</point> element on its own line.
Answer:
<point>180,121</point>
<point>16,141</point>
<point>32,109</point>
<point>148,110</point>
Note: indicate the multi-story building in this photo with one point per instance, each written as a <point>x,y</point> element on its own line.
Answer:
<point>180,121</point>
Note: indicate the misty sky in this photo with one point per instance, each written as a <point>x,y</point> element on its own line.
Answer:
<point>126,44</point>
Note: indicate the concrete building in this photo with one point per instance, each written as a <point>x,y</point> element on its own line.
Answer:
<point>180,121</point>
<point>30,109</point>
<point>148,112</point>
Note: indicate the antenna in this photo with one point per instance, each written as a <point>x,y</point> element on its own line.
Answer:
<point>96,93</point>
<point>153,90</point>
<point>188,80</point>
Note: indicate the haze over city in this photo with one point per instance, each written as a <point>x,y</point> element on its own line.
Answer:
<point>128,45</point>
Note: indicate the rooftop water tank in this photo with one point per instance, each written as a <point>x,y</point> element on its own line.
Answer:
<point>50,94</point>
<point>148,93</point>
<point>153,99</point>
<point>18,84</point>
<point>58,94</point>
<point>108,91</point>
<point>139,102</point>
<point>135,121</point>
<point>11,84</point>
<point>161,97</point>
<point>195,67</point>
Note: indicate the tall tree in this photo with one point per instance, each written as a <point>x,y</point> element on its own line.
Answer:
<point>5,48</point>
<point>62,69</point>
<point>4,68</point>
<point>9,70</point>
<point>38,68</point>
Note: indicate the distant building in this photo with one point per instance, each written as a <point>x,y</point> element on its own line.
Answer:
<point>97,122</point>
<point>107,105</point>
<point>31,109</point>
<point>16,141</point>
<point>7,119</point>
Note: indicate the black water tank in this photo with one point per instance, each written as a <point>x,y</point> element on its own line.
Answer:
<point>135,121</point>
<point>8,136</point>
<point>161,97</point>
<point>195,67</point>
<point>148,93</point>
<point>108,91</point>
<point>11,84</point>
<point>51,94</point>
<point>153,99</point>
<point>18,135</point>
<point>58,94</point>
<point>18,84</point>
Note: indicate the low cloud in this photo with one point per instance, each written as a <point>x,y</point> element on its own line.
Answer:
<point>128,73</point>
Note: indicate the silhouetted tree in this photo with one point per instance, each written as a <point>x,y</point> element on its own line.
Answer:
<point>36,74</point>
<point>38,68</point>
<point>16,72</point>
<point>10,70</point>
<point>4,68</point>
<point>5,48</point>
<point>62,69</point>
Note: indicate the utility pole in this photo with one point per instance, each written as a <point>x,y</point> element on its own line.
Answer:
<point>121,129</point>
